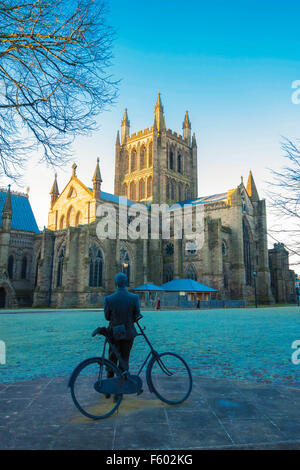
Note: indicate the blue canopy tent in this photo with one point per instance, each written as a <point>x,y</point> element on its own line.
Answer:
<point>147,293</point>
<point>186,285</point>
<point>147,287</point>
<point>188,291</point>
<point>179,293</point>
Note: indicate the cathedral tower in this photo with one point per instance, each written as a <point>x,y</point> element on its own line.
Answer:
<point>156,165</point>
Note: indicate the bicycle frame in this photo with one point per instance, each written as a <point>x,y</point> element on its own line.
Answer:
<point>153,353</point>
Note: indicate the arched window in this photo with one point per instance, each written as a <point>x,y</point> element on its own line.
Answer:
<point>180,192</point>
<point>171,160</point>
<point>78,220</point>
<point>142,189</point>
<point>191,273</point>
<point>96,266</point>
<point>247,254</point>
<point>124,190</point>
<point>224,248</point>
<point>71,217</point>
<point>167,188</point>
<point>149,186</point>
<point>150,159</point>
<point>37,270</point>
<point>10,266</point>
<point>133,191</point>
<point>61,222</point>
<point>173,189</point>
<point>24,268</point>
<point>125,263</point>
<point>143,157</point>
<point>179,163</point>
<point>133,160</point>
<point>60,265</point>
<point>187,193</point>
<point>186,165</point>
<point>168,275</point>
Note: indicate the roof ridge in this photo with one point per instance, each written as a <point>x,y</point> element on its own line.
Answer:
<point>15,193</point>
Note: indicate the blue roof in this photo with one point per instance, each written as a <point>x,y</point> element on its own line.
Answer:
<point>198,200</point>
<point>149,286</point>
<point>22,215</point>
<point>114,198</point>
<point>205,199</point>
<point>186,285</point>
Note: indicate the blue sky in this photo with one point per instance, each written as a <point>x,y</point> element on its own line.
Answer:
<point>230,63</point>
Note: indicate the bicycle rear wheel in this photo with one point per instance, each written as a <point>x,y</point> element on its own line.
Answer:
<point>170,378</point>
<point>89,402</point>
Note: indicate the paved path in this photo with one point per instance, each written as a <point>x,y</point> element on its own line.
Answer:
<point>220,414</point>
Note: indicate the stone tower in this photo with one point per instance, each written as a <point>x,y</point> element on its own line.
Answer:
<point>156,165</point>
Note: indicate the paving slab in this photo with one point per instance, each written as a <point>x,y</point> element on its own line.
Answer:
<point>219,414</point>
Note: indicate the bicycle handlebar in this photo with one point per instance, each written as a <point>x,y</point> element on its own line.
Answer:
<point>103,331</point>
<point>100,331</point>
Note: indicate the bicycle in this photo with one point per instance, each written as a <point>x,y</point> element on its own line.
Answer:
<point>91,391</point>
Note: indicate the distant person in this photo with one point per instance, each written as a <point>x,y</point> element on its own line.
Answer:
<point>158,304</point>
<point>121,309</point>
<point>198,303</point>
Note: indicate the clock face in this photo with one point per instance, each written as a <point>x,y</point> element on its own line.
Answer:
<point>169,249</point>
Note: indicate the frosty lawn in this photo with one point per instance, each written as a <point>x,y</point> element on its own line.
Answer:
<point>247,344</point>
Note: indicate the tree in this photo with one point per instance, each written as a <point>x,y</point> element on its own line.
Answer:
<point>54,62</point>
<point>284,197</point>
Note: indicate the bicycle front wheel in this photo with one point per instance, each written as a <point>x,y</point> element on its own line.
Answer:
<point>90,402</point>
<point>170,378</point>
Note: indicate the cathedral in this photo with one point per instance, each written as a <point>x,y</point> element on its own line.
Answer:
<point>68,265</point>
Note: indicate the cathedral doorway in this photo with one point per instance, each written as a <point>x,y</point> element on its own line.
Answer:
<point>2,297</point>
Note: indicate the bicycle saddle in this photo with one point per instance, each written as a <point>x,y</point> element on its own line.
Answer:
<point>100,331</point>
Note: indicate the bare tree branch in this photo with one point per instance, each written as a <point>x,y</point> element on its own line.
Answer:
<point>284,195</point>
<point>54,61</point>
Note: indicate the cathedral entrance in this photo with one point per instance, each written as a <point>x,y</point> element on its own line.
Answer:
<point>2,297</point>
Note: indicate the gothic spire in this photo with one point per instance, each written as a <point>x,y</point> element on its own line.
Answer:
<point>186,126</point>
<point>251,188</point>
<point>194,143</point>
<point>187,122</point>
<point>7,205</point>
<point>159,114</point>
<point>7,212</point>
<point>97,180</point>
<point>125,120</point>
<point>54,191</point>
<point>125,127</point>
<point>118,138</point>
<point>97,174</point>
